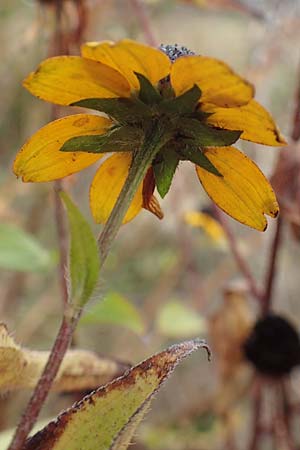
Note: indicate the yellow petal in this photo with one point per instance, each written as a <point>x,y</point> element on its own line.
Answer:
<point>67,79</point>
<point>254,120</point>
<point>218,83</point>
<point>203,220</point>
<point>244,192</point>
<point>107,185</point>
<point>128,57</point>
<point>40,158</point>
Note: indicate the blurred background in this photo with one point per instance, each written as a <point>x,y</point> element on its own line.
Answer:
<point>178,278</point>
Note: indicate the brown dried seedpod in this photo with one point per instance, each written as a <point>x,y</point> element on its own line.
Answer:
<point>273,346</point>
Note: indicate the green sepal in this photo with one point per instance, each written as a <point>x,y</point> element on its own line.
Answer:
<point>147,93</point>
<point>196,156</point>
<point>206,136</point>
<point>118,139</point>
<point>123,110</point>
<point>199,115</point>
<point>183,104</point>
<point>164,167</point>
<point>84,262</point>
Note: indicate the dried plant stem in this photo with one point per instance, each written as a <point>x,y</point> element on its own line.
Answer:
<point>271,271</point>
<point>41,391</point>
<point>141,14</point>
<point>257,410</point>
<point>240,261</point>
<point>140,164</point>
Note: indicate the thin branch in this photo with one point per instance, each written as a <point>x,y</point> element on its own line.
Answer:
<point>240,261</point>
<point>70,317</point>
<point>295,134</point>
<point>257,412</point>
<point>142,16</point>
<point>272,268</point>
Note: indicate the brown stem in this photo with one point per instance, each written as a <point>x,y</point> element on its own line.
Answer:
<point>240,261</point>
<point>70,318</point>
<point>295,134</point>
<point>282,428</point>
<point>142,16</point>
<point>256,414</point>
<point>42,389</point>
<point>271,272</point>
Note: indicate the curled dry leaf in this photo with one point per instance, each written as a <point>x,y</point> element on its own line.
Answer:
<point>107,418</point>
<point>21,368</point>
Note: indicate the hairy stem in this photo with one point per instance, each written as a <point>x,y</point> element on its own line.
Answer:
<point>140,163</point>
<point>42,389</point>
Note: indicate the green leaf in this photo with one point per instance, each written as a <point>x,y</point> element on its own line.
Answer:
<point>117,310</point>
<point>84,264</point>
<point>196,156</point>
<point>177,320</point>
<point>100,419</point>
<point>147,94</point>
<point>183,104</point>
<point>119,139</point>
<point>21,251</point>
<point>207,136</point>
<point>124,110</point>
<point>164,168</point>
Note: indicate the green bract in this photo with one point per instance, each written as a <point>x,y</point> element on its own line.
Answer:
<point>184,125</point>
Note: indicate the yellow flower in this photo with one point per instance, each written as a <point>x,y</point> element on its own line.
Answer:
<point>202,104</point>
<point>205,220</point>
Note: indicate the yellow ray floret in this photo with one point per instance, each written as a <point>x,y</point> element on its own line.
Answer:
<point>67,79</point>
<point>243,192</point>
<point>202,220</point>
<point>218,83</point>
<point>107,185</point>
<point>40,158</point>
<point>127,57</point>
<point>253,119</point>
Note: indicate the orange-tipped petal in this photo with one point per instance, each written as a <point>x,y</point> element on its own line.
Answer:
<point>150,202</point>
<point>253,119</point>
<point>243,192</point>
<point>218,83</point>
<point>67,79</point>
<point>107,185</point>
<point>128,57</point>
<point>40,158</point>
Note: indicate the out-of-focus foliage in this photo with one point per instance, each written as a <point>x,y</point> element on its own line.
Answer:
<point>114,309</point>
<point>175,320</point>
<point>21,251</point>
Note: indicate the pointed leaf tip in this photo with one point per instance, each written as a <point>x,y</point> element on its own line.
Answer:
<point>110,415</point>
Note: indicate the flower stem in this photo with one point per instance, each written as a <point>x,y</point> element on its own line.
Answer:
<point>58,351</point>
<point>141,161</point>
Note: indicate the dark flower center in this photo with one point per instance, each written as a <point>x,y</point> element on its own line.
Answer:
<point>175,51</point>
<point>273,346</point>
